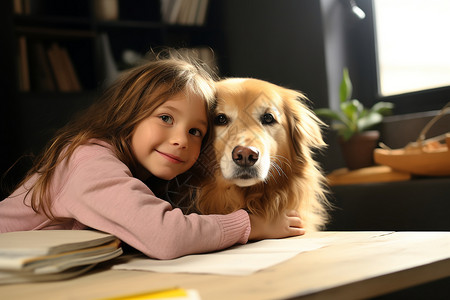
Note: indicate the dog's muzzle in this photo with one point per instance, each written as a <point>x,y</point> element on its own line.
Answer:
<point>245,172</point>
<point>246,166</point>
<point>245,156</point>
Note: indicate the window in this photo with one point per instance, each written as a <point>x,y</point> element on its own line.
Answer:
<point>412,45</point>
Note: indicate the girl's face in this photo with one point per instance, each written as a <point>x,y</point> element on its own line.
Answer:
<point>168,142</point>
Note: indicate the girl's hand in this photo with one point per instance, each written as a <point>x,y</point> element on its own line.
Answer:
<point>287,224</point>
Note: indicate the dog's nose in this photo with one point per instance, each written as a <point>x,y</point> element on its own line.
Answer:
<point>245,156</point>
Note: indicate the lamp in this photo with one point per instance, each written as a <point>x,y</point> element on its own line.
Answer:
<point>357,10</point>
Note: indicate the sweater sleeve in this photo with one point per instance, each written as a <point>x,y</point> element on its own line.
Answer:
<point>100,192</point>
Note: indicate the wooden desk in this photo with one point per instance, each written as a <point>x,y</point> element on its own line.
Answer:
<point>354,265</point>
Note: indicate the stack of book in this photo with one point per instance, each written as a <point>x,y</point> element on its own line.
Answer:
<point>27,256</point>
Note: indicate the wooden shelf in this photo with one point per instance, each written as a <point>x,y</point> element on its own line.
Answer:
<point>52,21</point>
<point>54,32</point>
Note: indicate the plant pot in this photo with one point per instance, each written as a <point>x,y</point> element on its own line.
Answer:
<point>358,150</point>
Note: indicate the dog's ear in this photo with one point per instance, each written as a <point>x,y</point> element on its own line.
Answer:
<point>305,126</point>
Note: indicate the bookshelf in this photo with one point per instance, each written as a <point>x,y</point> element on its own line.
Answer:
<point>67,46</point>
<point>58,55</point>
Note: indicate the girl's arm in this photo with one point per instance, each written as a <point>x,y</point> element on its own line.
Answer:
<point>99,191</point>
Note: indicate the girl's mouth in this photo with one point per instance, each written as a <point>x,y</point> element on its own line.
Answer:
<point>170,157</point>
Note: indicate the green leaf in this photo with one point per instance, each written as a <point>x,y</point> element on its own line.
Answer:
<point>349,110</point>
<point>383,108</point>
<point>346,88</point>
<point>328,113</point>
<point>371,119</point>
<point>352,109</point>
<point>345,132</point>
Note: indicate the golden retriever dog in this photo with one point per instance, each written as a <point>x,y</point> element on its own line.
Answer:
<point>263,147</point>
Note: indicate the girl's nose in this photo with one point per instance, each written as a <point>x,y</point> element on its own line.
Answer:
<point>180,139</point>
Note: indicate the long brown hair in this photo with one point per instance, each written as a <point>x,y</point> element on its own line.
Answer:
<point>129,100</point>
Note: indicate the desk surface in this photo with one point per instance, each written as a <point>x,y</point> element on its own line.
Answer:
<point>353,265</point>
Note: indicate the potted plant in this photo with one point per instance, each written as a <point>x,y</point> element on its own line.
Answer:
<point>353,123</point>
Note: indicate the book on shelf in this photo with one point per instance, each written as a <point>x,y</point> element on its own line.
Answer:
<point>18,7</point>
<point>192,12</point>
<point>200,18</point>
<point>53,254</point>
<point>63,69</point>
<point>24,71</point>
<point>106,10</point>
<point>56,62</point>
<point>25,7</point>
<point>183,16</point>
<point>42,78</point>
<point>184,12</point>
<point>70,70</point>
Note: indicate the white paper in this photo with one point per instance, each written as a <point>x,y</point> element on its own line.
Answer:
<point>238,260</point>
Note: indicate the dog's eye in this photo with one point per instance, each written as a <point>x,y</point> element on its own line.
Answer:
<point>221,120</point>
<point>267,119</point>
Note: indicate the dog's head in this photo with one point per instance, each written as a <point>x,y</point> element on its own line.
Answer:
<point>260,129</point>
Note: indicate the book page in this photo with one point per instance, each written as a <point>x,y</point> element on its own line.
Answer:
<point>44,242</point>
<point>238,260</point>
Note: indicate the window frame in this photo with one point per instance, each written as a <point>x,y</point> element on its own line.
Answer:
<point>364,62</point>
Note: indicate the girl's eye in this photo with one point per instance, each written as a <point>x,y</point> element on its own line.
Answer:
<point>166,119</point>
<point>195,132</point>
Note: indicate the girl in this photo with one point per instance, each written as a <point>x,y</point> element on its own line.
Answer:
<point>150,124</point>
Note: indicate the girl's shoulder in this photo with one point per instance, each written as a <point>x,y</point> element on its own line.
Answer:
<point>92,147</point>
<point>94,157</point>
<point>93,150</point>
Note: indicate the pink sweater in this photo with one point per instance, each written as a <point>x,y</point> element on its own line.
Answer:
<point>95,189</point>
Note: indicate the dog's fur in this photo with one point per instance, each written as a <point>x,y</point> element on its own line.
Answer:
<point>272,168</point>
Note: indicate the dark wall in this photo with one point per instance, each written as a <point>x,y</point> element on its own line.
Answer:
<point>8,144</point>
<point>278,41</point>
